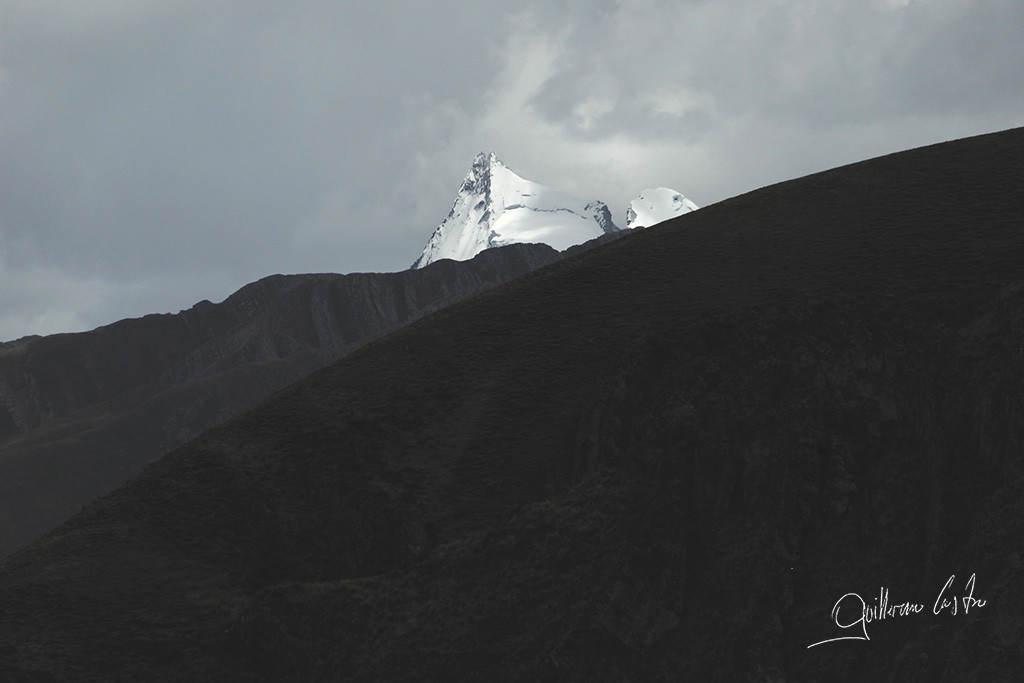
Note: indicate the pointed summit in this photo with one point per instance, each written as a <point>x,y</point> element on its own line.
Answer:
<point>495,207</point>
<point>483,163</point>
<point>477,181</point>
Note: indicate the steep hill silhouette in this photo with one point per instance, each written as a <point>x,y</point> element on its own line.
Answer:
<point>664,459</point>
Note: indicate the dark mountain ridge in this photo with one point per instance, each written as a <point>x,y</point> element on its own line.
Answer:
<point>81,413</point>
<point>664,459</point>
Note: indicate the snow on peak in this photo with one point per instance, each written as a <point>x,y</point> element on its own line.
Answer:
<point>495,207</point>
<point>655,205</point>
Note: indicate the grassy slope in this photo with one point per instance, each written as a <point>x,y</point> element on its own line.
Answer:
<point>665,457</point>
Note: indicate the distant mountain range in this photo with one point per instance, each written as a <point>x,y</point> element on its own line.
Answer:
<point>495,207</point>
<point>82,413</point>
<point>665,458</point>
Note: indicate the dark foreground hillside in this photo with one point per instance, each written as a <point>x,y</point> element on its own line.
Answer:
<point>665,459</point>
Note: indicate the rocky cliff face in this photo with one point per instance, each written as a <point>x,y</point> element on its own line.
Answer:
<point>81,413</point>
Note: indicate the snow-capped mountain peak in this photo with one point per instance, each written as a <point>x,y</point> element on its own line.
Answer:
<point>495,207</point>
<point>655,205</point>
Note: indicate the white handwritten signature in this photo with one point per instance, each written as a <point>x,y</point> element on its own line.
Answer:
<point>852,612</point>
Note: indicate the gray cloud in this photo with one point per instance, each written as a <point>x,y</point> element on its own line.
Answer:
<point>154,153</point>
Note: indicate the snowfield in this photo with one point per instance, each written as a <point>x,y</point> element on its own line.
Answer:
<point>496,207</point>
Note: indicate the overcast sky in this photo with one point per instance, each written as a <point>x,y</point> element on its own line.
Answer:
<point>155,153</point>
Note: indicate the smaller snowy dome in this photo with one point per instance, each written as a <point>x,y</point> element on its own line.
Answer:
<point>655,205</point>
